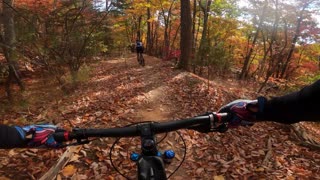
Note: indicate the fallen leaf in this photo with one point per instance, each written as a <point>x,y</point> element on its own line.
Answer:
<point>124,154</point>
<point>58,177</point>
<point>74,158</point>
<point>88,161</point>
<point>84,153</point>
<point>69,170</point>
<point>218,177</point>
<point>12,153</point>
<point>260,169</point>
<point>81,177</point>
<point>110,178</point>
<point>199,171</point>
<point>4,178</point>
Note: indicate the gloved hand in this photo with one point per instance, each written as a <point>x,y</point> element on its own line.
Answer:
<point>217,125</point>
<point>39,135</point>
<point>243,112</point>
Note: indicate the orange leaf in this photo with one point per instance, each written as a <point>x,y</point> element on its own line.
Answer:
<point>218,177</point>
<point>4,178</point>
<point>69,170</point>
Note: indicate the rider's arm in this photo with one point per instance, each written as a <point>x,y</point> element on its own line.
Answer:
<point>28,136</point>
<point>291,108</point>
<point>10,137</point>
<point>294,107</point>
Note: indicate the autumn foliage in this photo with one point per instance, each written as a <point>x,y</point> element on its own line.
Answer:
<point>74,58</point>
<point>42,7</point>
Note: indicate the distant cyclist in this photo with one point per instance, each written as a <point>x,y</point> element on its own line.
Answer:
<point>139,48</point>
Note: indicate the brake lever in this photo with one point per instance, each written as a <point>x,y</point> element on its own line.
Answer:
<point>219,122</point>
<point>216,124</point>
<point>221,129</point>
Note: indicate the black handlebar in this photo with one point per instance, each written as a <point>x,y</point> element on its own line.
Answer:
<point>210,121</point>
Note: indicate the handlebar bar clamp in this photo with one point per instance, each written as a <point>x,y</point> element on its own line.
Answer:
<point>211,117</point>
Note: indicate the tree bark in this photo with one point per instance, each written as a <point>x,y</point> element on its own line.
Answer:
<point>149,39</point>
<point>203,42</point>
<point>185,41</point>
<point>8,46</point>
<point>194,15</point>
<point>139,28</point>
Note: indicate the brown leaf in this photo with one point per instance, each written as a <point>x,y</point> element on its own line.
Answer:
<point>124,154</point>
<point>218,177</point>
<point>12,153</point>
<point>199,171</point>
<point>75,157</point>
<point>69,170</point>
<point>80,177</point>
<point>178,178</point>
<point>88,161</point>
<point>110,178</point>
<point>58,177</point>
<point>260,169</point>
<point>4,178</point>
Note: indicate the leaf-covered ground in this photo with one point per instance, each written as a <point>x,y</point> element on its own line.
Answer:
<point>120,92</point>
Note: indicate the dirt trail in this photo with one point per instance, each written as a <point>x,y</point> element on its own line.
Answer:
<point>121,92</point>
<point>154,109</point>
<point>155,104</point>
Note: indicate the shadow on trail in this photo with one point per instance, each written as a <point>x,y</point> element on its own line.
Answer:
<point>117,90</point>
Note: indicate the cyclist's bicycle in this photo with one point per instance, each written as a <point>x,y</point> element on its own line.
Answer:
<point>140,59</point>
<point>150,161</point>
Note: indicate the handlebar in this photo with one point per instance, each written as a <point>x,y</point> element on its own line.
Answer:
<point>210,122</point>
<point>150,164</point>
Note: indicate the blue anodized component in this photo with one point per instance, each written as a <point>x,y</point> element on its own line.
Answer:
<point>134,156</point>
<point>159,154</point>
<point>169,154</point>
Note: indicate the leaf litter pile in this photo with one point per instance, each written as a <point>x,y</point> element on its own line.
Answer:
<point>120,93</point>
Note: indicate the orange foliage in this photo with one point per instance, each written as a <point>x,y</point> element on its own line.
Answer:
<point>43,6</point>
<point>310,66</point>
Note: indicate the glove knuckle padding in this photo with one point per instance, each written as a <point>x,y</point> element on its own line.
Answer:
<point>239,111</point>
<point>41,135</point>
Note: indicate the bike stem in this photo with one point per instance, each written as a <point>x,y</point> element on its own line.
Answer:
<point>148,142</point>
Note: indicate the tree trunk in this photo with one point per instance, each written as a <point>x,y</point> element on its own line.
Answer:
<point>272,40</point>
<point>149,39</point>
<point>195,45</point>
<point>175,36</point>
<point>139,28</point>
<point>245,67</point>
<point>167,17</point>
<point>203,42</point>
<point>294,40</point>
<point>185,41</point>
<point>9,41</point>
<point>194,15</point>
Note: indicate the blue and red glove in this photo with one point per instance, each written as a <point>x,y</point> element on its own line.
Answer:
<point>39,135</point>
<point>243,111</point>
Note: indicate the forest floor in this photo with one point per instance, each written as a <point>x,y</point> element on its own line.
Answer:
<point>120,92</point>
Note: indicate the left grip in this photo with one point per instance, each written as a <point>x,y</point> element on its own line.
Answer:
<point>61,136</point>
